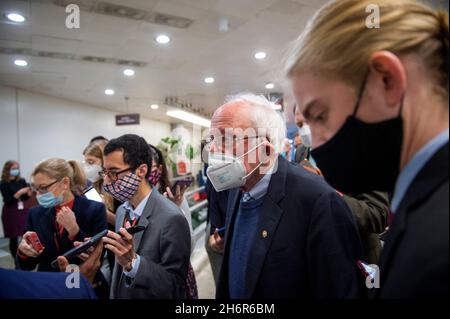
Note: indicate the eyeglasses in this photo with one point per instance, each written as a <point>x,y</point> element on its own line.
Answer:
<point>113,176</point>
<point>224,141</point>
<point>43,189</point>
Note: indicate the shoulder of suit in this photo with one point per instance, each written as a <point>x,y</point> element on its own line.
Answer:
<point>166,207</point>
<point>91,203</point>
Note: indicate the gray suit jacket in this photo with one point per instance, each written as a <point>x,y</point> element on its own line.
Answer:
<point>164,248</point>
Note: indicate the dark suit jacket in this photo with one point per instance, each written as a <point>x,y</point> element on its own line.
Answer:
<point>18,284</point>
<point>164,247</point>
<point>414,262</point>
<point>90,216</point>
<point>301,153</point>
<point>217,206</point>
<point>312,242</point>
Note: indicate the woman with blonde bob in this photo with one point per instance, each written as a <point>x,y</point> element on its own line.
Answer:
<point>371,79</point>
<point>61,218</point>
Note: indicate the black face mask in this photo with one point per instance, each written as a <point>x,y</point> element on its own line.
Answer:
<point>361,156</point>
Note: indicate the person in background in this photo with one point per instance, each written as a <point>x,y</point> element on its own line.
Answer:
<point>159,179</point>
<point>15,191</point>
<point>93,166</point>
<point>154,262</point>
<point>98,138</point>
<point>62,216</point>
<point>217,211</point>
<point>286,149</point>
<point>378,112</point>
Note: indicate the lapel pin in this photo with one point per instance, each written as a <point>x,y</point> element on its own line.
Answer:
<point>264,233</point>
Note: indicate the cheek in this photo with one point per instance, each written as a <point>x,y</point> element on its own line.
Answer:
<point>320,134</point>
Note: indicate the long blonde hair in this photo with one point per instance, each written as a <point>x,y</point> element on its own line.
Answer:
<point>58,168</point>
<point>337,43</point>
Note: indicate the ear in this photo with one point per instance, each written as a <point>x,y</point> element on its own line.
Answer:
<point>142,170</point>
<point>66,183</point>
<point>267,152</point>
<point>388,73</point>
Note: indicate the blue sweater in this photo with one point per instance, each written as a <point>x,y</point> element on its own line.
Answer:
<point>245,229</point>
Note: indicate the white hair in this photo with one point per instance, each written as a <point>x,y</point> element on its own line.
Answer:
<point>263,117</point>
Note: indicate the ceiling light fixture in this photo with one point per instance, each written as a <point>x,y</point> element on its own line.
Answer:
<point>109,92</point>
<point>163,39</point>
<point>209,79</point>
<point>189,117</point>
<point>20,62</point>
<point>270,85</point>
<point>129,72</point>
<point>154,106</point>
<point>260,55</point>
<point>15,17</point>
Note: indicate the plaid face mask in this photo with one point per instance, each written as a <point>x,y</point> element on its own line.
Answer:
<point>124,188</point>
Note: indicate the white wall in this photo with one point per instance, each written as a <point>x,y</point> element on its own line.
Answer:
<point>34,127</point>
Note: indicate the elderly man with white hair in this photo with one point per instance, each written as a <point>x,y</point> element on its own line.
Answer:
<point>288,234</point>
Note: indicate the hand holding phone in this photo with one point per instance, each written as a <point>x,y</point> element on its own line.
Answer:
<point>186,182</point>
<point>91,242</point>
<point>221,231</point>
<point>34,241</point>
<point>30,245</point>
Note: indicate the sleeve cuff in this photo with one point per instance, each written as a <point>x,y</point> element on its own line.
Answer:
<point>134,267</point>
<point>21,256</point>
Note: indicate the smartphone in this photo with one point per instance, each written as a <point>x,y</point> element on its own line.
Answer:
<point>91,242</point>
<point>135,229</point>
<point>92,194</point>
<point>82,248</point>
<point>221,231</point>
<point>35,242</point>
<point>182,182</point>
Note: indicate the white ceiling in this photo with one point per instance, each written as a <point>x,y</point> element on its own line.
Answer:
<point>176,69</point>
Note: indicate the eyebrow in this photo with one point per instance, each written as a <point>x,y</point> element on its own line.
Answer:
<point>308,108</point>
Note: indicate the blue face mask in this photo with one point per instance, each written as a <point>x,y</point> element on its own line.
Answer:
<point>49,199</point>
<point>14,172</point>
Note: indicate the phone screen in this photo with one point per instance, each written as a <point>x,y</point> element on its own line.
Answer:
<point>183,182</point>
<point>92,194</point>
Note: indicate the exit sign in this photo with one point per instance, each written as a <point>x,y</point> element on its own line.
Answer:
<point>127,119</point>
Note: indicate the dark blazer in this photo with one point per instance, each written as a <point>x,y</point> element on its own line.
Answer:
<point>90,216</point>
<point>18,284</point>
<point>414,262</point>
<point>164,248</point>
<point>217,206</point>
<point>312,242</point>
<point>301,153</point>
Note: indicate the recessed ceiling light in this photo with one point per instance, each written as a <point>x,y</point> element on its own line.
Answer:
<point>209,79</point>
<point>109,92</point>
<point>20,62</point>
<point>129,72</point>
<point>270,85</point>
<point>163,39</point>
<point>154,106</point>
<point>15,17</point>
<point>260,55</point>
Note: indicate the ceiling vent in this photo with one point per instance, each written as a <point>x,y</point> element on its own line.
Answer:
<point>121,11</point>
<point>68,56</point>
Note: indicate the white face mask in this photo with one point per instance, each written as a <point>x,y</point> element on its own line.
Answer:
<point>92,172</point>
<point>226,171</point>
<point>305,134</point>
